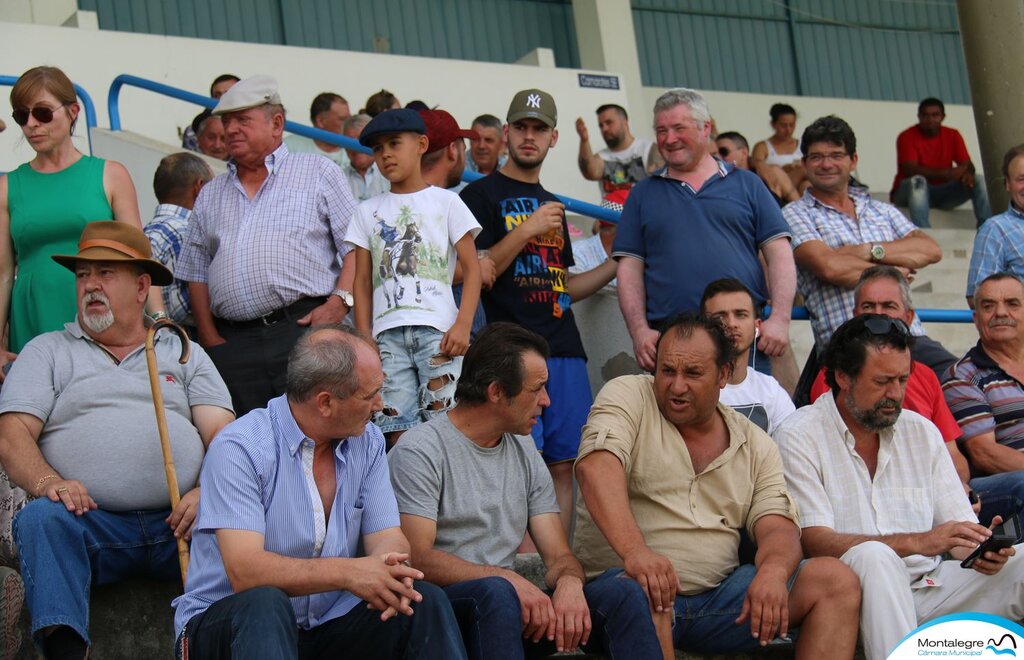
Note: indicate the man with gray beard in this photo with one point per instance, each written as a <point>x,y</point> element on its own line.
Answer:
<point>877,489</point>
<point>77,432</point>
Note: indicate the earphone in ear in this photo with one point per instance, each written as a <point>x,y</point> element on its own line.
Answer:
<point>757,333</point>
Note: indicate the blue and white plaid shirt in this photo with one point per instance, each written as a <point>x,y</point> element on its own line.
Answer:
<point>286,243</point>
<point>998,248</point>
<point>812,220</point>
<point>165,233</point>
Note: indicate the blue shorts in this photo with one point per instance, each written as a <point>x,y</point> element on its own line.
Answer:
<point>411,357</point>
<point>558,429</point>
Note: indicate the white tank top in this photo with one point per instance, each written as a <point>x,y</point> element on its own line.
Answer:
<point>775,158</point>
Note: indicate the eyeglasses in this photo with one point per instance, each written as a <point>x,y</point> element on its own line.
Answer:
<point>837,157</point>
<point>42,114</point>
<point>883,325</point>
<point>724,151</point>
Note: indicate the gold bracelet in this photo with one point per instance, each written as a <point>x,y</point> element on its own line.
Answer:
<point>43,480</point>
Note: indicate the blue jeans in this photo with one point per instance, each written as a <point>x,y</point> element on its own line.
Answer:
<point>706,623</point>
<point>490,618</point>
<point>61,554</point>
<point>1001,494</point>
<point>411,357</point>
<point>918,195</point>
<point>259,624</point>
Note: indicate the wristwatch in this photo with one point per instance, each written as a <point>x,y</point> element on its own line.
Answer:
<point>346,297</point>
<point>877,252</point>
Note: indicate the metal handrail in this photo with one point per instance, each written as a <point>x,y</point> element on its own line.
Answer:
<point>87,105</point>
<point>571,204</point>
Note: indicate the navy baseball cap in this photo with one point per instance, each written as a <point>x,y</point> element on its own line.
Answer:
<point>399,120</point>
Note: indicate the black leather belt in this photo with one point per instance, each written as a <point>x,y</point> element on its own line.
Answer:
<point>295,311</point>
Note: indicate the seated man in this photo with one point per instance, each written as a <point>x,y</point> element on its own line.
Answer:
<point>884,290</point>
<point>983,391</point>
<point>669,477</point>
<point>77,431</point>
<point>755,395</point>
<point>877,490</point>
<point>999,245</point>
<point>471,483</point>
<point>291,493</point>
<point>732,147</point>
<point>933,168</point>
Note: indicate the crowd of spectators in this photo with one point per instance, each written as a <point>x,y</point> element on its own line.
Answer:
<point>413,406</point>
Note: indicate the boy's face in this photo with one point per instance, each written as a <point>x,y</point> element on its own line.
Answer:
<point>398,154</point>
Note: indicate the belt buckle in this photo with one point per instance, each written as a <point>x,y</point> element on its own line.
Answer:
<point>267,321</point>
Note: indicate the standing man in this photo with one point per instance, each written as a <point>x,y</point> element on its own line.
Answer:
<point>364,178</point>
<point>445,158</point>
<point>839,232</point>
<point>487,151</point>
<point>470,484</point>
<point>933,168</point>
<point>755,395</point>
<point>77,432</point>
<point>627,159</point>
<point>328,112</point>
<point>176,183</point>
<point>263,252</point>
<point>297,552</point>
<point>670,477</point>
<point>999,245</point>
<point>523,226</point>
<point>877,490</point>
<point>697,221</point>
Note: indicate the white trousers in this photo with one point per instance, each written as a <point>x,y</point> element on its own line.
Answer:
<point>890,609</point>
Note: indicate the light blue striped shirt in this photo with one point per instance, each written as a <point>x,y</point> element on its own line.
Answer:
<point>261,254</point>
<point>254,479</point>
<point>998,248</point>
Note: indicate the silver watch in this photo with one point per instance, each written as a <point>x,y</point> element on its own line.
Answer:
<point>346,297</point>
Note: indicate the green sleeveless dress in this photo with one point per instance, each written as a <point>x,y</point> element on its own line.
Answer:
<point>48,213</point>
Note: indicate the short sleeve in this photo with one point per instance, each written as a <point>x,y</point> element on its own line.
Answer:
<point>614,421</point>
<point>416,475</point>
<point>968,404</point>
<point>629,236</point>
<point>380,510</point>
<point>461,221</point>
<point>938,412</point>
<point>801,462</point>
<point>906,150</point>
<point>801,223</point>
<point>205,387</point>
<point>194,261</point>
<point>771,494</point>
<point>541,490</point>
<point>230,482</point>
<point>782,406</point>
<point>901,224</point>
<point>768,221</point>
<point>29,386</point>
<point>960,155</point>
<point>358,234</point>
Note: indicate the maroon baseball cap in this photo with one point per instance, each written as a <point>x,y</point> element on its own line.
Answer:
<point>442,129</point>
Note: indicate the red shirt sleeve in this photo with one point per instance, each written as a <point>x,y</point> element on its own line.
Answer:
<point>820,387</point>
<point>940,414</point>
<point>906,147</point>
<point>960,155</point>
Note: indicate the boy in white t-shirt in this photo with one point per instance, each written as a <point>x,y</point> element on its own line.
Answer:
<point>751,393</point>
<point>406,244</point>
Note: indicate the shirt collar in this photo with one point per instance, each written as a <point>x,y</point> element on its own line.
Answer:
<point>724,169</point>
<point>274,159</point>
<point>172,210</point>
<point>1015,211</point>
<point>980,358</point>
<point>291,433</point>
<point>828,402</point>
<point>858,195</point>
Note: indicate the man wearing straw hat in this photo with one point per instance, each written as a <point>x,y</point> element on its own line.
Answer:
<point>78,432</point>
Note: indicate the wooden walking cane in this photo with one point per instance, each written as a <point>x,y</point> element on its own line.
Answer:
<point>161,421</point>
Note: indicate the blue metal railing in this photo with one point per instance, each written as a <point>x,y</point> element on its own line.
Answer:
<point>571,204</point>
<point>87,106</point>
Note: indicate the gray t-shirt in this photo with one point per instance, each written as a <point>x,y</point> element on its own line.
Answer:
<point>99,426</point>
<point>481,499</point>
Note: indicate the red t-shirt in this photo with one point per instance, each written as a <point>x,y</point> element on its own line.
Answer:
<point>942,150</point>
<point>924,396</point>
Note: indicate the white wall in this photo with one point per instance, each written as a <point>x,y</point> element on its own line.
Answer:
<point>94,57</point>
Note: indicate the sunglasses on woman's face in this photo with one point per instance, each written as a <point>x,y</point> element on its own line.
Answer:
<point>42,114</point>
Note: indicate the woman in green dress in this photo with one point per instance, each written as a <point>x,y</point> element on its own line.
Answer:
<point>46,203</point>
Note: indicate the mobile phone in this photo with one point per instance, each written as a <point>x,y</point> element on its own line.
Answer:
<point>1003,536</point>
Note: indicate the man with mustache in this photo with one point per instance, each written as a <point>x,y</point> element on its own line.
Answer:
<point>77,432</point>
<point>877,489</point>
<point>984,392</point>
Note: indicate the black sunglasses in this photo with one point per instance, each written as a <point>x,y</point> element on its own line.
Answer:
<point>42,114</point>
<point>724,151</point>
<point>883,326</point>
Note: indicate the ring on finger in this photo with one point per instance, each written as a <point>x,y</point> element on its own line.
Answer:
<point>63,489</point>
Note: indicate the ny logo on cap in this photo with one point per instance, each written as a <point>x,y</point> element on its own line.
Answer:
<point>533,101</point>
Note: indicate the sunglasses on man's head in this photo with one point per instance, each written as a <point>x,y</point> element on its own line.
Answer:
<point>883,326</point>
<point>42,114</point>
